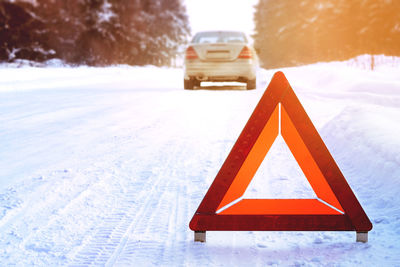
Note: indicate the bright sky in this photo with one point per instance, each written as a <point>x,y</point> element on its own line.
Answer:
<point>221,15</point>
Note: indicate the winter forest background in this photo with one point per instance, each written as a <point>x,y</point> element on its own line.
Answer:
<point>141,32</point>
<point>292,32</point>
<point>93,32</point>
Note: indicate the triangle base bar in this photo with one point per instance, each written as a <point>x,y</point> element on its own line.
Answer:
<point>279,207</point>
<point>205,222</point>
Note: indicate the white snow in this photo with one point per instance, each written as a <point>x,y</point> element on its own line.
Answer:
<point>106,166</point>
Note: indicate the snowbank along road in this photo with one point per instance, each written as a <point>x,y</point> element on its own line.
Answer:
<point>106,166</point>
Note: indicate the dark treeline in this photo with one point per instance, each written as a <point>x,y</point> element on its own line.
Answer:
<point>93,32</point>
<point>293,32</point>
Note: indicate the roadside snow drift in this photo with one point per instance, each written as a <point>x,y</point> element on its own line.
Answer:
<point>106,166</point>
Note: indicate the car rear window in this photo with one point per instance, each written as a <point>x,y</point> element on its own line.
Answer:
<point>219,37</point>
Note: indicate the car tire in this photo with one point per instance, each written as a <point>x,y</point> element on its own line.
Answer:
<point>196,83</point>
<point>251,84</point>
<point>188,84</point>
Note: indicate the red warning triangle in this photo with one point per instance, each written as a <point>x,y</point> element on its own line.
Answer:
<point>279,112</point>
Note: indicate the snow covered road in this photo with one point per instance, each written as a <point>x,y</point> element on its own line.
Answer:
<point>106,166</point>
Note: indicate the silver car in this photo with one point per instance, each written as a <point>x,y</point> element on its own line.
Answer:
<point>218,56</point>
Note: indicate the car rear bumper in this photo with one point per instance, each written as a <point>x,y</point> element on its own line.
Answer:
<point>239,70</point>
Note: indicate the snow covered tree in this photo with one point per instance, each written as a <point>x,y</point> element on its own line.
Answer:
<point>22,34</point>
<point>149,31</point>
<point>291,32</point>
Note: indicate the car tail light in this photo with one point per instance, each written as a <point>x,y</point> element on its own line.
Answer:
<point>246,53</point>
<point>191,53</point>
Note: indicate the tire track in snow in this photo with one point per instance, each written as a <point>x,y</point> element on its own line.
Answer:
<point>67,229</point>
<point>39,208</point>
<point>150,235</point>
<point>112,233</point>
<point>137,211</point>
<point>46,228</point>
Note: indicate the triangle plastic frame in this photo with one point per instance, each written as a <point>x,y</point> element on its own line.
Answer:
<point>336,207</point>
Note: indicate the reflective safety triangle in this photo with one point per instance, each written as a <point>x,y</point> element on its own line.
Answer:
<point>280,112</point>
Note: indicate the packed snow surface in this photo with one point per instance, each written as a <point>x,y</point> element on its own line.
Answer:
<point>106,166</point>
